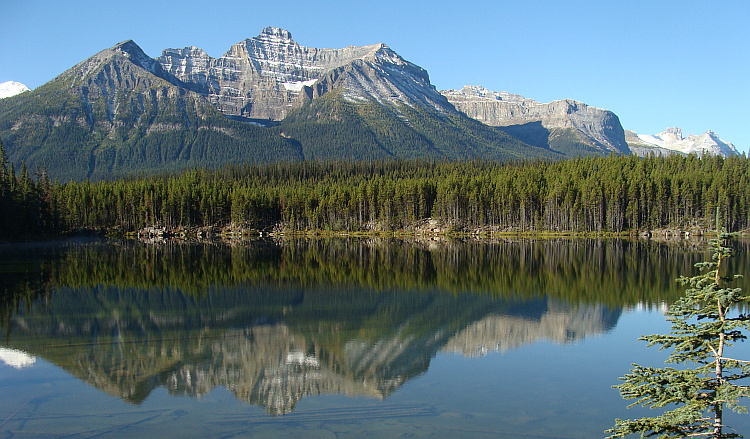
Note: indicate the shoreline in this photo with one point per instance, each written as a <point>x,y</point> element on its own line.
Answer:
<point>155,234</point>
<point>236,234</point>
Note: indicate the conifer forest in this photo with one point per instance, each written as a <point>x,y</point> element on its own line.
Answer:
<point>615,194</point>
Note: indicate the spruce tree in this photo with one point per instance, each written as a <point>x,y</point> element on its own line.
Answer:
<point>705,323</point>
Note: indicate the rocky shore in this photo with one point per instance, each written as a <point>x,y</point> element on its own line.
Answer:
<point>426,228</point>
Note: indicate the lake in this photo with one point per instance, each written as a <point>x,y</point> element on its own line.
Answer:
<point>327,338</point>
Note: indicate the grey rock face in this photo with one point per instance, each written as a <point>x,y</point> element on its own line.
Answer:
<point>599,128</point>
<point>263,77</point>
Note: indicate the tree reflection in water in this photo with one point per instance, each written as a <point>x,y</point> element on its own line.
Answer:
<point>274,322</point>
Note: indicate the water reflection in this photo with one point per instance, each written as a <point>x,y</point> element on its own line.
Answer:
<point>16,359</point>
<point>273,323</point>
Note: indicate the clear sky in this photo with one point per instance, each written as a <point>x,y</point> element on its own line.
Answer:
<point>655,63</point>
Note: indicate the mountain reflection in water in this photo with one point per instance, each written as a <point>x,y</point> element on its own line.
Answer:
<point>265,324</point>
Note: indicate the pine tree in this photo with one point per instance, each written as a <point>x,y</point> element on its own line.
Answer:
<point>702,330</point>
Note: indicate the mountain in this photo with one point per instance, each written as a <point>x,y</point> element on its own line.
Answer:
<point>267,99</point>
<point>11,88</point>
<point>263,77</point>
<point>363,102</point>
<point>566,126</point>
<point>120,113</point>
<point>672,141</point>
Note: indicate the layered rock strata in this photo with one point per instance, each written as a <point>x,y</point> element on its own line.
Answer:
<point>600,129</point>
<point>263,77</point>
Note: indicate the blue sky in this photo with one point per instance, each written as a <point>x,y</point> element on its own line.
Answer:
<point>656,64</point>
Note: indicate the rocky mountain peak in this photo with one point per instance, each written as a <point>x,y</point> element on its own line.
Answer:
<point>274,34</point>
<point>672,133</point>
<point>672,140</point>
<point>263,77</point>
<point>122,54</point>
<point>132,51</point>
<point>272,43</point>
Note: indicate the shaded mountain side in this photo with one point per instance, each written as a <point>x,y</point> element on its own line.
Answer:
<point>567,142</point>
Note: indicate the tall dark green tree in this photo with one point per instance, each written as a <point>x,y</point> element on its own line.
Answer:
<point>705,323</point>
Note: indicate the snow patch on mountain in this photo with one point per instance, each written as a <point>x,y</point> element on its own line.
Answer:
<point>707,143</point>
<point>11,88</point>
<point>298,85</point>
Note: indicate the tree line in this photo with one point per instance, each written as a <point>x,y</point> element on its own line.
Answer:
<point>586,194</point>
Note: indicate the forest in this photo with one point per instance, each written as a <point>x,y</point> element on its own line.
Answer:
<point>615,194</point>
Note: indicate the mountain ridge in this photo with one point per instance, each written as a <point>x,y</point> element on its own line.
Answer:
<point>263,77</point>
<point>117,113</point>
<point>121,112</point>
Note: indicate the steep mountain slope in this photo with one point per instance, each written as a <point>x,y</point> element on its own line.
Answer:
<point>567,126</point>
<point>671,140</point>
<point>119,112</point>
<point>336,125</point>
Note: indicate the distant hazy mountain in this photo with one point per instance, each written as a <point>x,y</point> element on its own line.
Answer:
<point>671,140</point>
<point>11,88</point>
<point>567,126</point>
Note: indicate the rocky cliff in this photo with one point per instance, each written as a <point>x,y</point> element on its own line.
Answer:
<point>559,125</point>
<point>263,77</point>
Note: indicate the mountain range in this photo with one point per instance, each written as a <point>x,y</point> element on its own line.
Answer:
<point>269,99</point>
<point>672,141</point>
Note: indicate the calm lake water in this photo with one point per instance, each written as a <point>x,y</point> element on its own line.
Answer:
<point>332,338</point>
